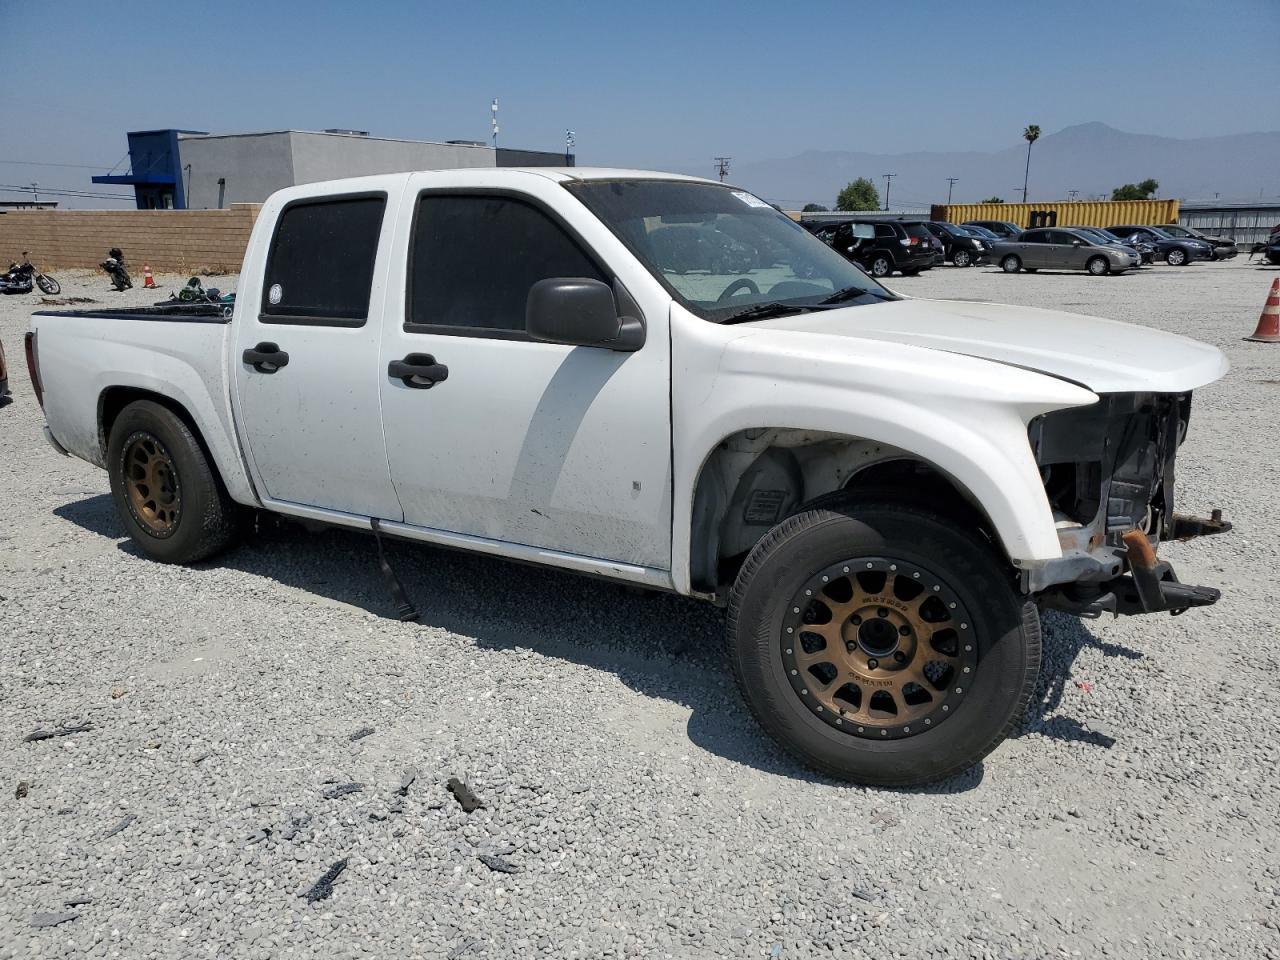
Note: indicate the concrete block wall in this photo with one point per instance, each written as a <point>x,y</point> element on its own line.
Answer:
<point>171,241</point>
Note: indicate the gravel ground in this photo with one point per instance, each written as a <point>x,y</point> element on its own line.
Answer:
<point>630,808</point>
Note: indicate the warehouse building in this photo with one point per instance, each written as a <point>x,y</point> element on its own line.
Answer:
<point>189,169</point>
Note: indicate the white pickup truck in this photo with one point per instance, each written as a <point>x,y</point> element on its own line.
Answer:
<point>664,381</point>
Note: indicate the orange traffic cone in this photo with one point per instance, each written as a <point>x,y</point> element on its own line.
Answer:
<point>147,279</point>
<point>1269,323</point>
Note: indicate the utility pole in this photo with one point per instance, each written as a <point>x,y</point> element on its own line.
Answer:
<point>1072,194</point>
<point>951,182</point>
<point>722,167</point>
<point>888,180</point>
<point>494,122</point>
<point>569,141</point>
<point>35,196</point>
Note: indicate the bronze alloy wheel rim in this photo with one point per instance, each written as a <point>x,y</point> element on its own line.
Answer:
<point>151,483</point>
<point>879,648</point>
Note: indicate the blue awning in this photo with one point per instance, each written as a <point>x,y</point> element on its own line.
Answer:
<point>145,180</point>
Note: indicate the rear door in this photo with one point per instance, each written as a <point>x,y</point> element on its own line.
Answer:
<point>540,444</point>
<point>886,242</point>
<point>305,355</point>
<point>1031,248</point>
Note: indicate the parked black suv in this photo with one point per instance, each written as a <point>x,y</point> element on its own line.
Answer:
<point>1005,229</point>
<point>881,246</point>
<point>1175,251</point>
<point>958,245</point>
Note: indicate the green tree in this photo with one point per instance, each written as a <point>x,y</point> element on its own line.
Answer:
<point>861,194</point>
<point>993,200</point>
<point>1030,134</point>
<point>1136,191</point>
<point>813,208</point>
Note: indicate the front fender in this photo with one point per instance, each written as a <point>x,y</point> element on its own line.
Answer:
<point>966,417</point>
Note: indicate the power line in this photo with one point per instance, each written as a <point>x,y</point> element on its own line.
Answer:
<point>46,163</point>
<point>63,192</point>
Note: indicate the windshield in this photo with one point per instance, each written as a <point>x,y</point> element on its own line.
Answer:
<point>1158,232</point>
<point>723,253</point>
<point>981,232</point>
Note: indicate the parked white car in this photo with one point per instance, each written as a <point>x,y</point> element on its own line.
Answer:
<point>537,364</point>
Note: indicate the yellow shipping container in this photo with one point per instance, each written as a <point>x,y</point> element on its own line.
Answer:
<point>1102,213</point>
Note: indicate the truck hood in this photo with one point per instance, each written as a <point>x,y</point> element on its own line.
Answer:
<point>1106,356</point>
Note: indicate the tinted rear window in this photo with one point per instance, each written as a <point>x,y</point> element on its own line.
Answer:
<point>320,268</point>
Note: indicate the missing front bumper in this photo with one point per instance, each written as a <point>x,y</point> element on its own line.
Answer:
<point>1150,586</point>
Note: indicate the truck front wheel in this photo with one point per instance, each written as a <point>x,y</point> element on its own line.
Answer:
<point>880,644</point>
<point>167,494</point>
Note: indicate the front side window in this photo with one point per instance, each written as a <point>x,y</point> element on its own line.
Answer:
<point>475,257</point>
<point>320,267</point>
<point>720,251</point>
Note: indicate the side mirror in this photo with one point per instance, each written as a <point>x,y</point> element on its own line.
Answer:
<point>580,312</point>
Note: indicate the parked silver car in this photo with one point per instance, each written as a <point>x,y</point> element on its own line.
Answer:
<point>1062,249</point>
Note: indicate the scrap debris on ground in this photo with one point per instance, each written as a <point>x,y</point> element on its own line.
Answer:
<point>467,800</point>
<point>323,887</point>
<point>37,735</point>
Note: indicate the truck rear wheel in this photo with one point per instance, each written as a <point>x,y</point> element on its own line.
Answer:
<point>167,494</point>
<point>879,644</point>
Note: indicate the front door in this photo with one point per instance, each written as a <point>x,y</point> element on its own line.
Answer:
<point>546,445</point>
<point>306,357</point>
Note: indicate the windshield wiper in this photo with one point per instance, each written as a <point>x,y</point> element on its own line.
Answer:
<point>762,311</point>
<point>849,293</point>
<point>778,308</point>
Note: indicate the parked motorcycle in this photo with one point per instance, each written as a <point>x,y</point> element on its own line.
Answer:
<point>23,277</point>
<point>116,270</point>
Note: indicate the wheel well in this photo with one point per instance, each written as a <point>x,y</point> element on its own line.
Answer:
<point>756,478</point>
<point>115,399</point>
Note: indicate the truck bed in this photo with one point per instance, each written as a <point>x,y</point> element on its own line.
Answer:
<point>178,352</point>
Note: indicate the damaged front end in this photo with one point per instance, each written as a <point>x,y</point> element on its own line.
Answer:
<point>1108,471</point>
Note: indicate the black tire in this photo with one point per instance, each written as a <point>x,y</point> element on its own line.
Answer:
<point>962,258</point>
<point>204,521</point>
<point>1177,257</point>
<point>1011,264</point>
<point>881,265</point>
<point>838,530</point>
<point>48,284</point>
<point>1098,266</point>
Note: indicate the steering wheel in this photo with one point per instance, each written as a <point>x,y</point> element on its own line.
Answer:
<point>742,283</point>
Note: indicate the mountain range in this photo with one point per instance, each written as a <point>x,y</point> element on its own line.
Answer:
<point>1092,158</point>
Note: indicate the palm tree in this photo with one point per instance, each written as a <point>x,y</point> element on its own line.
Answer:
<point>1031,134</point>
